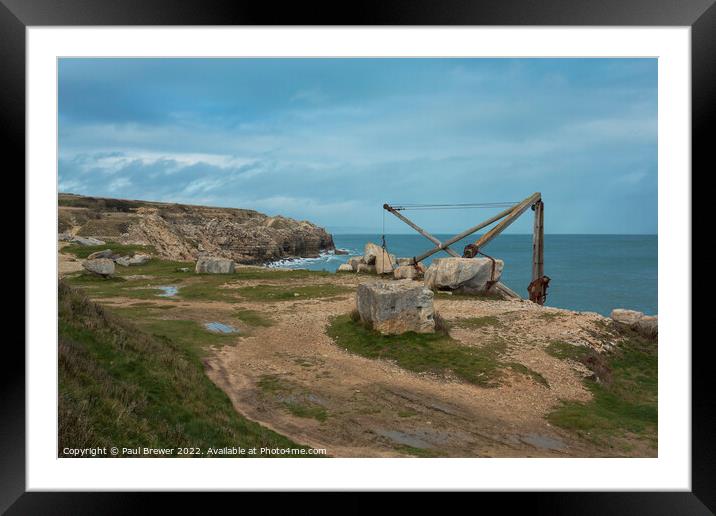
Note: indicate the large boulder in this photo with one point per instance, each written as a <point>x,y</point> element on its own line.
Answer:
<point>345,267</point>
<point>396,306</point>
<point>645,325</point>
<point>101,266</point>
<point>626,318</point>
<point>355,261</point>
<point>463,275</point>
<point>408,272</point>
<point>211,265</point>
<point>87,241</point>
<point>375,255</point>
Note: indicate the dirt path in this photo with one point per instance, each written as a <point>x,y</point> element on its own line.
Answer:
<point>373,408</point>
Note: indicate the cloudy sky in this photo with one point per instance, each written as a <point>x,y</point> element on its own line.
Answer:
<point>331,140</point>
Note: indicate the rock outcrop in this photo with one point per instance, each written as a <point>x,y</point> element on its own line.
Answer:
<point>395,307</point>
<point>214,265</point>
<point>645,325</point>
<point>183,232</point>
<point>463,275</point>
<point>101,266</point>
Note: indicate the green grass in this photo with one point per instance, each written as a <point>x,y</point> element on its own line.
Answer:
<point>83,251</point>
<point>254,318</point>
<point>624,390</point>
<point>425,352</point>
<point>418,452</point>
<point>293,399</point>
<point>120,385</point>
<point>288,293</point>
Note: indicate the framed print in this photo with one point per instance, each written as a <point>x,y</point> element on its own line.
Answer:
<point>421,250</point>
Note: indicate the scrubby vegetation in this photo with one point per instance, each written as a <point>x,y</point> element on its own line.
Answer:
<point>435,353</point>
<point>122,385</point>
<point>624,389</point>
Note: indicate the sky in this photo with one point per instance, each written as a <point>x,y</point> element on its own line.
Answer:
<point>331,140</point>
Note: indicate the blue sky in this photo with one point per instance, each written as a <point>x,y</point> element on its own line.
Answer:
<point>331,140</point>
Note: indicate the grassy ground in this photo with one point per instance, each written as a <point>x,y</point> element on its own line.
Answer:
<point>624,389</point>
<point>121,385</point>
<point>429,352</point>
<point>142,281</point>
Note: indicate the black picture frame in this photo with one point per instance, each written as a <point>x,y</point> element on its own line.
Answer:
<point>700,15</point>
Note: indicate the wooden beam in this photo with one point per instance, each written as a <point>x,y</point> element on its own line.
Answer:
<point>465,233</point>
<point>516,211</point>
<point>438,243</point>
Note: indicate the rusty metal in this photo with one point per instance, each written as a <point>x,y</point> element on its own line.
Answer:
<point>538,290</point>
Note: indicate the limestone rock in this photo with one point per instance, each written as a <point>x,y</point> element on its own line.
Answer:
<point>101,266</point>
<point>213,265</point>
<point>345,267</point>
<point>396,306</point>
<point>648,326</point>
<point>355,262</point>
<point>375,255</point>
<point>408,272</point>
<point>404,261</point>
<point>645,325</point>
<point>366,269</point>
<point>625,317</point>
<point>87,241</point>
<point>463,275</point>
<point>182,232</point>
<point>107,253</point>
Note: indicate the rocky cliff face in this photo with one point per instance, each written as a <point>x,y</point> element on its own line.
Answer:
<point>183,232</point>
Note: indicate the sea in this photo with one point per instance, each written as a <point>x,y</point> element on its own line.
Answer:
<point>593,273</point>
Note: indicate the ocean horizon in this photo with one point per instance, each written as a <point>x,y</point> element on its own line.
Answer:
<point>589,272</point>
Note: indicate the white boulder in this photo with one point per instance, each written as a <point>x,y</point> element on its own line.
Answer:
<point>345,267</point>
<point>100,266</point>
<point>210,265</point>
<point>395,307</point>
<point>463,275</point>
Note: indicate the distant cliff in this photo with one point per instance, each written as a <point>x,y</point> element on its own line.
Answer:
<point>183,232</point>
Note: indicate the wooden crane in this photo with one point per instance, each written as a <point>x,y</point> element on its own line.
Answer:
<point>537,289</point>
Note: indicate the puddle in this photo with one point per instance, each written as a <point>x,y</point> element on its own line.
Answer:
<point>542,441</point>
<point>220,328</point>
<point>168,290</point>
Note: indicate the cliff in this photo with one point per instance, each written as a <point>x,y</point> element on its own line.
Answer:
<point>183,232</point>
